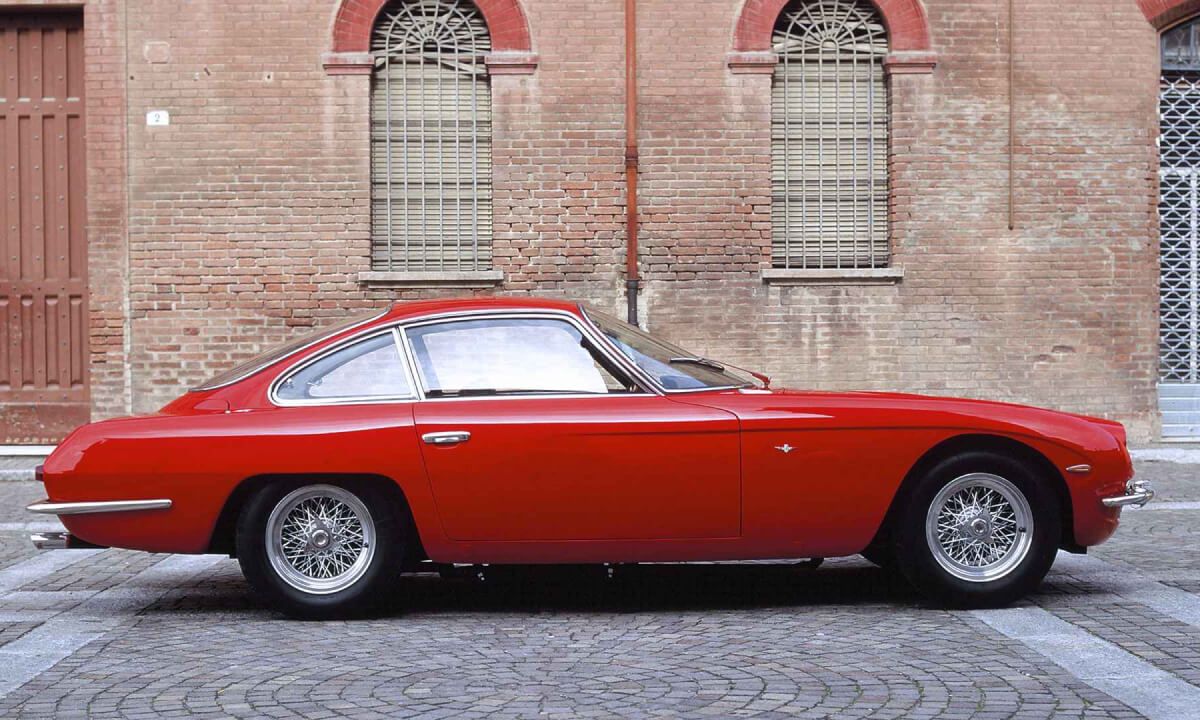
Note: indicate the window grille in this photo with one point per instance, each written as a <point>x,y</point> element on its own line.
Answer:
<point>1181,47</point>
<point>829,137</point>
<point>1179,228</point>
<point>431,139</point>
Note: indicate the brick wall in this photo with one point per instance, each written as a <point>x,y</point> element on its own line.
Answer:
<point>248,216</point>
<point>248,213</point>
<point>1059,311</point>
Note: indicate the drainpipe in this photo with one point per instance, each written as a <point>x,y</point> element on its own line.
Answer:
<point>1012,117</point>
<point>632,279</point>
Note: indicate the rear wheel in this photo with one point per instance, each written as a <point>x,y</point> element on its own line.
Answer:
<point>320,550</point>
<point>979,530</point>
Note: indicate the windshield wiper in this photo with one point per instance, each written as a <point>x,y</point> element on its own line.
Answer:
<point>705,362</point>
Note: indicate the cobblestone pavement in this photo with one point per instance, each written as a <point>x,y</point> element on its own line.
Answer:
<point>117,634</point>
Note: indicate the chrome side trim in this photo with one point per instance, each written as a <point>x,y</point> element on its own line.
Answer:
<point>1080,469</point>
<point>1137,494</point>
<point>51,540</point>
<point>87,508</point>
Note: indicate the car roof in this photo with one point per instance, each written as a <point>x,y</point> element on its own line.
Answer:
<point>419,308</point>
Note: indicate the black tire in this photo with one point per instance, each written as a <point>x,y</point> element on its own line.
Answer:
<point>919,562</point>
<point>372,580</point>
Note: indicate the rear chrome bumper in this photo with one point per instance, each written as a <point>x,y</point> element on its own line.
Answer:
<point>1137,494</point>
<point>51,540</point>
<point>86,508</point>
<point>59,541</point>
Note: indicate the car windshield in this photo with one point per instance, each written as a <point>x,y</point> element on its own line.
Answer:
<point>270,357</point>
<point>672,367</point>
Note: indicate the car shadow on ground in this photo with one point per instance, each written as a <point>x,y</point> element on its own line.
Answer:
<point>651,587</point>
<point>590,588</point>
<point>628,588</point>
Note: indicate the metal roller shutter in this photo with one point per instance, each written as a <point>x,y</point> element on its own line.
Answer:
<point>829,137</point>
<point>431,132</point>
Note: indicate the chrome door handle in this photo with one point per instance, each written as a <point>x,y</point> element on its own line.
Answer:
<point>446,438</point>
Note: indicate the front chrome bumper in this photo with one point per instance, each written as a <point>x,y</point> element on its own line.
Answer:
<point>86,508</point>
<point>1137,494</point>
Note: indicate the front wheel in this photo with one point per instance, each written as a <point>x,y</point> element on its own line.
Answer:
<point>319,550</point>
<point>979,530</point>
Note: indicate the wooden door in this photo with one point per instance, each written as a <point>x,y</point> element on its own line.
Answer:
<point>43,266</point>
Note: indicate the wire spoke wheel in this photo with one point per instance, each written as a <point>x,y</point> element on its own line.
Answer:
<point>979,527</point>
<point>320,539</point>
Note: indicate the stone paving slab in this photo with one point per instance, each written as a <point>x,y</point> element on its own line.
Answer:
<point>1160,640</point>
<point>10,631</point>
<point>14,496</point>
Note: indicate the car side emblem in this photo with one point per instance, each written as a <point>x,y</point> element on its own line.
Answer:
<point>784,448</point>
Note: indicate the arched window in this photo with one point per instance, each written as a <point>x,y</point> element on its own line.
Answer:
<point>829,136</point>
<point>431,138</point>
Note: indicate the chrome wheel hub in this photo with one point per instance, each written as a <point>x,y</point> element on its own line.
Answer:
<point>320,539</point>
<point>979,527</point>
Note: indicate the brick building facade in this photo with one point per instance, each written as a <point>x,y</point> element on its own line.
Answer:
<point>250,214</point>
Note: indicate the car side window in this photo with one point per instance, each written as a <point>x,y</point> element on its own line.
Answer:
<point>371,368</point>
<point>511,356</point>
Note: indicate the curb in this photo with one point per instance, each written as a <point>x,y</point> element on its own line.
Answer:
<point>1180,456</point>
<point>15,451</point>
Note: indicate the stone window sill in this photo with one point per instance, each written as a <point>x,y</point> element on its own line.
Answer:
<point>833,276</point>
<point>438,279</point>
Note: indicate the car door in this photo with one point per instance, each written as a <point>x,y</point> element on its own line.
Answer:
<point>531,432</point>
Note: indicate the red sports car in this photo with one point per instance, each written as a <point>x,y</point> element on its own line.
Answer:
<point>537,431</point>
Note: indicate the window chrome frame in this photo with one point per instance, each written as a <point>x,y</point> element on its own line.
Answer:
<point>659,387</point>
<point>292,370</point>
<point>639,379</point>
<point>647,387</point>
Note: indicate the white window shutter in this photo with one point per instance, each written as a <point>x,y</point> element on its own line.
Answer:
<point>431,139</point>
<point>829,137</point>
